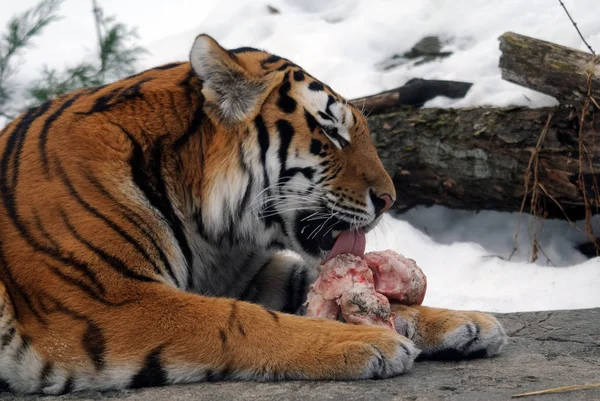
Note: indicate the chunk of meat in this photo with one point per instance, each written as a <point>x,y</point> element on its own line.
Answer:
<point>358,288</point>
<point>345,284</point>
<point>319,306</point>
<point>397,277</point>
<point>363,305</point>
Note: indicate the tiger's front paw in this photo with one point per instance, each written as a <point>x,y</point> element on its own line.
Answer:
<point>386,355</point>
<point>359,352</point>
<point>448,334</point>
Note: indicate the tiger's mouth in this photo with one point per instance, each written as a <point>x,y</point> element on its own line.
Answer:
<point>325,239</point>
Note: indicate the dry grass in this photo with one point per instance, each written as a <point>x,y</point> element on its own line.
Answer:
<point>558,390</point>
<point>585,156</point>
<point>532,188</point>
<point>590,190</point>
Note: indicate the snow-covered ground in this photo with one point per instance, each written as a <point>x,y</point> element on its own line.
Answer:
<point>464,254</point>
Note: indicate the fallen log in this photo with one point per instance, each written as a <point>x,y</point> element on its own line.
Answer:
<point>414,93</point>
<point>558,71</point>
<point>476,158</point>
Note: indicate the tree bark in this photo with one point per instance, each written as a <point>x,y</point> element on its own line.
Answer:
<point>555,70</point>
<point>476,158</point>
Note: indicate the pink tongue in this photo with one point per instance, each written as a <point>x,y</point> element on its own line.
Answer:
<point>349,242</point>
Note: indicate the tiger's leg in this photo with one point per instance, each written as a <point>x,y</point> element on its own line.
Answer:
<point>167,336</point>
<point>449,334</point>
<point>281,283</point>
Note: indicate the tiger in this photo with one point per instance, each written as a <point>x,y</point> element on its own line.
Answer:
<point>165,228</point>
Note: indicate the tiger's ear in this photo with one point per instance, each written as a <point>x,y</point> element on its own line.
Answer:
<point>230,91</point>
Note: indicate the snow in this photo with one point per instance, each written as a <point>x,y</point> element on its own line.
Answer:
<point>465,258</point>
<point>464,254</point>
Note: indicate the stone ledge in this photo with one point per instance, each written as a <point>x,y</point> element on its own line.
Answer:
<point>546,349</point>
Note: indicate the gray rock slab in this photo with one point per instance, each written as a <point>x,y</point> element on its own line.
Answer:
<point>546,349</point>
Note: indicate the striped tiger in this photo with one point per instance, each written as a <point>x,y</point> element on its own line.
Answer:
<point>165,229</point>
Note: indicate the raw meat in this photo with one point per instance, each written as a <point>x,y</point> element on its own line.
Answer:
<point>397,277</point>
<point>363,305</point>
<point>358,288</point>
<point>345,284</point>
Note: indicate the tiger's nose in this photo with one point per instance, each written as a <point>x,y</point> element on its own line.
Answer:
<point>381,202</point>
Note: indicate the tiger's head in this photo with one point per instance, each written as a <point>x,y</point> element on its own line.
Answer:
<point>306,152</point>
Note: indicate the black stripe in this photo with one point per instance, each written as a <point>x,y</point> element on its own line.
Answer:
<point>8,337</point>
<point>91,91</point>
<point>197,112</point>
<point>298,76</point>
<point>330,102</point>
<point>167,66</point>
<point>14,289</point>
<point>147,176</point>
<point>19,135</point>
<point>193,129</point>
<point>273,315</point>
<point>68,386</point>
<point>252,283</point>
<point>333,134</point>
<point>94,343</point>
<point>223,337</point>
<point>246,198</point>
<point>93,340</point>
<point>315,147</point>
<point>212,376</point>
<point>311,121</point>
<point>269,60</point>
<point>114,262</point>
<point>152,373</point>
<point>192,87</point>
<point>233,318</point>
<point>285,66</point>
<point>295,289</point>
<point>316,86</point>
<point>83,286</point>
<point>43,139</point>
<point>25,344</point>
<point>132,92</point>
<point>101,102</point>
<point>308,172</point>
<point>326,117</point>
<point>286,102</point>
<point>274,244</point>
<point>286,133</point>
<point>263,140</point>
<point>44,232</point>
<point>132,217</point>
<point>116,97</point>
<point>232,314</point>
<point>244,50</point>
<point>61,256</point>
<point>45,374</point>
<point>200,229</point>
<point>248,192</point>
<point>474,339</point>
<point>4,386</point>
<point>114,226</point>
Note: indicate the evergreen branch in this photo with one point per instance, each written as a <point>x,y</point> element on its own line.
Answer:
<point>21,29</point>
<point>117,55</point>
